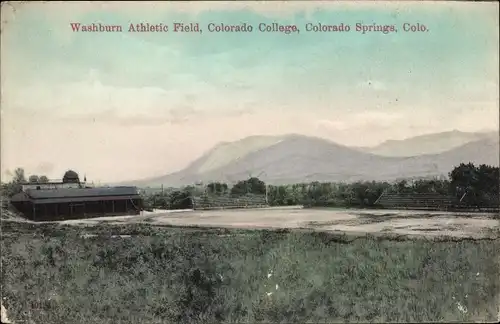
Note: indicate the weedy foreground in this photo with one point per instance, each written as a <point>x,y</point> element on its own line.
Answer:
<point>149,274</point>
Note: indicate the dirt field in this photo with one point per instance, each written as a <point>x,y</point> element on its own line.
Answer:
<point>398,222</point>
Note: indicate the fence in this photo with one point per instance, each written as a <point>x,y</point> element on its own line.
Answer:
<point>206,202</point>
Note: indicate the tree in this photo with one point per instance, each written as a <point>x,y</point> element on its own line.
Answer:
<point>250,186</point>
<point>34,179</point>
<point>19,176</point>
<point>211,187</point>
<point>217,188</point>
<point>191,189</point>
<point>463,181</point>
<point>43,179</point>
<point>488,179</point>
<point>240,188</point>
<point>401,186</point>
<point>10,189</point>
<point>277,195</point>
<point>15,186</point>
<point>475,185</point>
<point>256,186</point>
<point>180,200</point>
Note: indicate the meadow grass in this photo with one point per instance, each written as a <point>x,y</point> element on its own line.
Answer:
<point>51,274</point>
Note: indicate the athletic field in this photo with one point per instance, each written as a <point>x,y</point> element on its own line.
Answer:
<point>353,222</point>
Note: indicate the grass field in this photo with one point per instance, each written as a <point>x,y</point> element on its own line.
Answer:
<point>73,274</point>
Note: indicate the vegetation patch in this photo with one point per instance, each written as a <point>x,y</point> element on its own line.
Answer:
<point>52,274</point>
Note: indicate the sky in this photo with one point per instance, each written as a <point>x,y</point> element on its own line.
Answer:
<point>121,106</point>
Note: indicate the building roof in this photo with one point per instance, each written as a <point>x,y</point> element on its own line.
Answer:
<point>82,199</point>
<point>81,192</point>
<point>42,183</point>
<point>22,196</point>
<point>77,194</point>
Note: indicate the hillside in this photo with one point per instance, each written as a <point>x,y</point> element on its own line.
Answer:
<point>227,152</point>
<point>427,144</point>
<point>297,158</point>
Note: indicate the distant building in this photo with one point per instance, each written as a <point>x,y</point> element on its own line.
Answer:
<point>70,199</point>
<point>71,203</point>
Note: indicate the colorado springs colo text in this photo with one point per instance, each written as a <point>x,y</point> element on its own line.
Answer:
<point>272,27</point>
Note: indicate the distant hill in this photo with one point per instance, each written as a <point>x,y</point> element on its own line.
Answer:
<point>297,158</point>
<point>226,152</point>
<point>426,144</point>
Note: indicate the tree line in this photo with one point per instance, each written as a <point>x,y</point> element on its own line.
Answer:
<point>472,185</point>
<point>14,186</point>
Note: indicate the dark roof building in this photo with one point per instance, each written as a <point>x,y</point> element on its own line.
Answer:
<point>70,203</point>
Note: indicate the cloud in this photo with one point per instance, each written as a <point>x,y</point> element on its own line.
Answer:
<point>98,96</point>
<point>74,97</point>
<point>90,95</point>
<point>177,115</point>
<point>361,120</point>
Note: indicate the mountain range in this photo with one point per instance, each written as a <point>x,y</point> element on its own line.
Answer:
<point>427,144</point>
<point>297,158</point>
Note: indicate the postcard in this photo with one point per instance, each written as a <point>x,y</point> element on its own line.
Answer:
<point>250,162</point>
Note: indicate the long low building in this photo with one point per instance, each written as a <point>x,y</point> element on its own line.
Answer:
<point>71,203</point>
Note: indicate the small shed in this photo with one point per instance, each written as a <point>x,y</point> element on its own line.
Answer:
<point>72,203</point>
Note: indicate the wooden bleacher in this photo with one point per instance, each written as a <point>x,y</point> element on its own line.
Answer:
<point>431,201</point>
<point>207,202</point>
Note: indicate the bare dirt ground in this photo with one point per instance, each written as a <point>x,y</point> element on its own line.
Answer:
<point>420,223</point>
